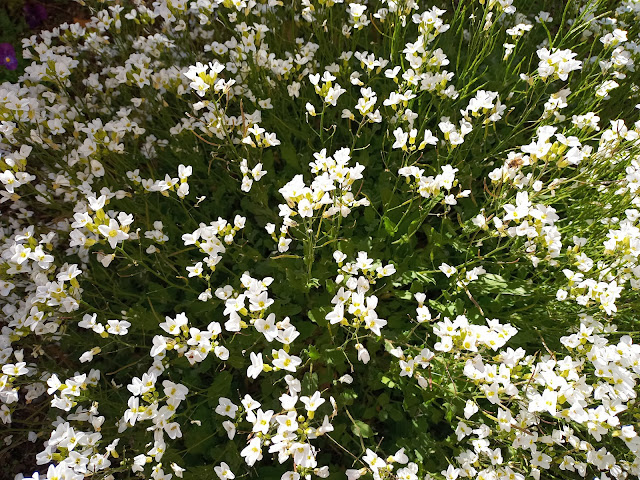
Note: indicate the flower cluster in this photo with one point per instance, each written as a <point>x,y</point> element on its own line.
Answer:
<point>500,181</point>
<point>208,240</point>
<point>354,302</point>
<point>148,403</point>
<point>561,390</point>
<point>287,433</point>
<point>193,343</point>
<point>179,184</point>
<point>330,192</point>
<point>432,187</point>
<point>556,63</point>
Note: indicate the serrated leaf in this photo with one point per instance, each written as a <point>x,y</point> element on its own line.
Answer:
<point>313,353</point>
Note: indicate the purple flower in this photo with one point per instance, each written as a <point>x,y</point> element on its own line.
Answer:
<point>34,14</point>
<point>8,56</point>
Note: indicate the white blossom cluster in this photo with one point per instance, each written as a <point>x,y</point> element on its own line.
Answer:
<point>84,135</point>
<point>179,184</point>
<point>560,390</point>
<point>432,187</point>
<point>208,240</point>
<point>287,432</point>
<point>556,63</point>
<point>193,343</point>
<point>330,193</point>
<point>354,303</point>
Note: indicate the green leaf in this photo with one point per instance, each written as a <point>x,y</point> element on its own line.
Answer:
<point>361,429</point>
<point>387,381</point>
<point>313,353</point>
<point>317,316</point>
<point>236,361</point>
<point>198,439</point>
<point>395,414</point>
<point>199,472</point>
<point>369,413</point>
<point>493,283</point>
<point>403,294</point>
<point>348,397</point>
<point>410,276</point>
<point>220,387</point>
<point>390,227</point>
<point>309,383</point>
<point>289,155</point>
<point>286,309</point>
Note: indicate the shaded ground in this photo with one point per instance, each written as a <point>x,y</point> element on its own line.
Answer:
<point>15,16</point>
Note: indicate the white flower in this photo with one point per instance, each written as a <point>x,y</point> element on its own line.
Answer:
<point>113,233</point>
<point>256,366</point>
<point>311,110</point>
<point>285,361</point>
<point>313,402</point>
<point>118,327</point>
<point>15,370</point>
<point>230,428</point>
<point>252,452</point>
<point>196,270</point>
<point>305,209</point>
<point>223,472</point>
<point>363,353</point>
<point>448,270</point>
<point>226,408</point>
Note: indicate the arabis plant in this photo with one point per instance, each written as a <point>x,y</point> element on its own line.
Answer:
<point>323,239</point>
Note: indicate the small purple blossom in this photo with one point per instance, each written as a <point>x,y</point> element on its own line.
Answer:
<point>34,14</point>
<point>8,56</point>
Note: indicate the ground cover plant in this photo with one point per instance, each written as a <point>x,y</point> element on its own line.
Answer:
<point>322,239</point>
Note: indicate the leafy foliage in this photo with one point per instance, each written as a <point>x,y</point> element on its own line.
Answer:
<point>402,241</point>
